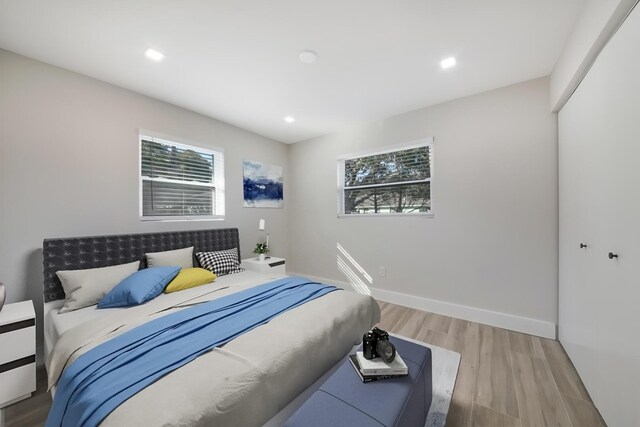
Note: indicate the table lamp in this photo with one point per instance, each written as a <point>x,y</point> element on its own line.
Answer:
<point>261,226</point>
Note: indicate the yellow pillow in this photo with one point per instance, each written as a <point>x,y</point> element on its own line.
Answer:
<point>190,278</point>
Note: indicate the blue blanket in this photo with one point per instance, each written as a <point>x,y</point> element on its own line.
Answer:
<point>109,374</point>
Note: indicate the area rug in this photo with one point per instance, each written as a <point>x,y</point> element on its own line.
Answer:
<point>444,366</point>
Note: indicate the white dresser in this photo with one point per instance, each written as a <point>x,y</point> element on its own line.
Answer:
<point>17,352</point>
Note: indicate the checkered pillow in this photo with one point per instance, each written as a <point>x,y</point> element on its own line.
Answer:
<point>220,262</point>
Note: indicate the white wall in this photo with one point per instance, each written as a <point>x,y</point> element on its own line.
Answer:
<point>492,244</point>
<point>599,153</point>
<point>596,24</point>
<point>69,166</point>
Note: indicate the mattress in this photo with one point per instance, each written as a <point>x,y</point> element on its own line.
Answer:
<point>248,380</point>
<point>56,324</point>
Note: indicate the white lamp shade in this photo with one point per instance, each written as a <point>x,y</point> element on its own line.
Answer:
<point>261,225</point>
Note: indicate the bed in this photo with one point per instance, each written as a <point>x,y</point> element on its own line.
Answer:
<point>248,381</point>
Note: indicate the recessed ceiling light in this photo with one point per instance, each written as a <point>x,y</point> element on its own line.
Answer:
<point>289,119</point>
<point>308,56</point>
<point>448,63</point>
<point>154,55</point>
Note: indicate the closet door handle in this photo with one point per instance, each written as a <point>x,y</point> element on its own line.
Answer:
<point>612,255</point>
<point>582,245</point>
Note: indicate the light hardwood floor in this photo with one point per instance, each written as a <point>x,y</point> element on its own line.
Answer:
<point>505,378</point>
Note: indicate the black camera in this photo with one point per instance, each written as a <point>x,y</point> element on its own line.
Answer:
<point>375,343</point>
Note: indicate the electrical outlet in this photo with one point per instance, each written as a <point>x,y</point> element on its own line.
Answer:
<point>382,271</point>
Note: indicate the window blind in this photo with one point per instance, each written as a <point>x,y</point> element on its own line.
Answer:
<point>180,181</point>
<point>393,167</point>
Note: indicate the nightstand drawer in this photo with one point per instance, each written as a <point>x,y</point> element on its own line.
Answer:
<point>17,344</point>
<point>271,265</point>
<point>16,383</point>
<point>17,352</point>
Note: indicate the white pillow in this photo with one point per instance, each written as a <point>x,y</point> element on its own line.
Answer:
<point>83,288</point>
<point>183,258</point>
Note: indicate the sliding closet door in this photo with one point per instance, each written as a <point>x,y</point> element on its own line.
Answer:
<point>580,204</point>
<point>599,155</point>
<point>615,82</point>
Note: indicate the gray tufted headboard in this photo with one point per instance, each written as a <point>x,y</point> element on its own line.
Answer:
<point>78,253</point>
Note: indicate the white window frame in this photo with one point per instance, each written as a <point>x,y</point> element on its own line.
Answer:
<point>425,142</point>
<point>218,177</point>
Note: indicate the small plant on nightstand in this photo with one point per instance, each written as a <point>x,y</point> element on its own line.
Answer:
<point>261,249</point>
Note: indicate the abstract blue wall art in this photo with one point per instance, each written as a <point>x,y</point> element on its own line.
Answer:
<point>262,185</point>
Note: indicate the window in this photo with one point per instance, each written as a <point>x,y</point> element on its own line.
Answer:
<point>395,181</point>
<point>180,182</point>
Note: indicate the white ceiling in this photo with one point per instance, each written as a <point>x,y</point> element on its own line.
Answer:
<point>237,61</point>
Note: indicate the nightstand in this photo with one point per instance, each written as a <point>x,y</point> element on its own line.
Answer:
<point>271,265</point>
<point>17,352</point>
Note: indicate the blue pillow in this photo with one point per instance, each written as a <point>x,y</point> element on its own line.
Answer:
<point>140,287</point>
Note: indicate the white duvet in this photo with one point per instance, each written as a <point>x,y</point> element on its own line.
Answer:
<point>244,383</point>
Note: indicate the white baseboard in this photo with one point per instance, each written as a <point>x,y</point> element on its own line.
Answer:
<point>493,318</point>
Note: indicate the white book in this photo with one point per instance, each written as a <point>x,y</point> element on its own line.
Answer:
<point>378,366</point>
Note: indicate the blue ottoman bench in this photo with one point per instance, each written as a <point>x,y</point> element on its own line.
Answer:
<point>344,400</point>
